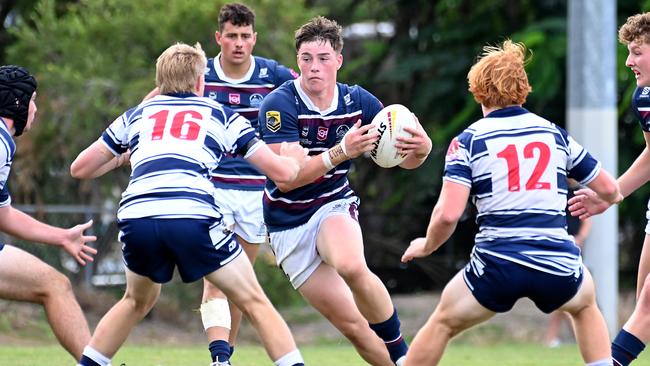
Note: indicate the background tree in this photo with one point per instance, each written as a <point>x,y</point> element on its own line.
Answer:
<point>95,58</point>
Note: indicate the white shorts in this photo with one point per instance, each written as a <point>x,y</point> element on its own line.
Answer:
<point>295,249</point>
<point>242,213</point>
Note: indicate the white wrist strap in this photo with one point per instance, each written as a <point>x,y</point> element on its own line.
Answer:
<point>327,161</point>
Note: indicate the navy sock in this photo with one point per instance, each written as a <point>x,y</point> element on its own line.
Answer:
<point>390,333</point>
<point>219,350</point>
<point>625,348</point>
<point>87,361</point>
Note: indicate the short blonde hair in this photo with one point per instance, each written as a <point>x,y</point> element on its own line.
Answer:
<point>498,78</point>
<point>636,28</point>
<point>179,67</point>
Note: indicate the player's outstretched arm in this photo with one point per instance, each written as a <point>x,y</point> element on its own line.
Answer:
<point>18,224</point>
<point>95,161</point>
<point>601,194</point>
<point>417,147</point>
<point>282,168</point>
<point>448,210</point>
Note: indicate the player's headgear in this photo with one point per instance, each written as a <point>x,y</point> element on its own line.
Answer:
<point>17,86</point>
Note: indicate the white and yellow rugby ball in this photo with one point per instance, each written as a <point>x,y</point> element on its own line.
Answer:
<point>390,123</point>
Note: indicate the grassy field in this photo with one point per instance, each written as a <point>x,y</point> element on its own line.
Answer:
<point>320,355</point>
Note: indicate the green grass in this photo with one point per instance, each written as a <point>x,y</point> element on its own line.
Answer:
<point>502,354</point>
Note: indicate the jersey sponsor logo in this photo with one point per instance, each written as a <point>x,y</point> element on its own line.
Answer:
<point>264,72</point>
<point>256,99</point>
<point>273,121</point>
<point>234,98</point>
<point>347,99</point>
<point>453,150</point>
<point>340,132</point>
<point>645,91</point>
<point>305,131</point>
<point>321,133</point>
<point>212,95</point>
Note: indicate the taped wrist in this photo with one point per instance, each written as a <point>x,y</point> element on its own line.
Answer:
<point>215,313</point>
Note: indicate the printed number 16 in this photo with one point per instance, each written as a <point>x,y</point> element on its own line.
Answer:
<point>512,160</point>
<point>183,127</point>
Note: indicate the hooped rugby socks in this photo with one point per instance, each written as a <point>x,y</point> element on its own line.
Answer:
<point>389,332</point>
<point>293,358</point>
<point>92,357</point>
<point>625,348</point>
<point>219,350</point>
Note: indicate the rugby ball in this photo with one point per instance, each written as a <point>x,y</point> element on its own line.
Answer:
<point>390,123</point>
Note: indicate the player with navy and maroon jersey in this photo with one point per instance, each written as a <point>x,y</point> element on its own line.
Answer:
<point>312,221</point>
<point>514,166</point>
<point>635,334</point>
<point>238,79</point>
<point>168,216</point>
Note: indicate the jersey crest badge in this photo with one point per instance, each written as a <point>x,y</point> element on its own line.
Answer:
<point>234,98</point>
<point>273,121</point>
<point>321,133</point>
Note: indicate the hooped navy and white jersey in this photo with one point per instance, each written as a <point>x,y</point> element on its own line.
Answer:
<point>244,96</point>
<point>516,164</point>
<point>641,104</point>
<point>7,151</point>
<point>176,140</point>
<point>289,115</point>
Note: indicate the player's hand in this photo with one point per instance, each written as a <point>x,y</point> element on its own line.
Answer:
<point>358,140</point>
<point>295,152</point>
<point>419,144</point>
<point>75,243</point>
<point>417,249</point>
<point>586,203</point>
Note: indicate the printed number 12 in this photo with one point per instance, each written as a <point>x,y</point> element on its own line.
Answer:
<point>512,160</point>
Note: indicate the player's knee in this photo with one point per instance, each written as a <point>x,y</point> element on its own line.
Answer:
<point>141,304</point>
<point>53,284</point>
<point>254,304</point>
<point>353,273</point>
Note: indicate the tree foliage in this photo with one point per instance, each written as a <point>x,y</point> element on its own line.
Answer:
<point>95,58</point>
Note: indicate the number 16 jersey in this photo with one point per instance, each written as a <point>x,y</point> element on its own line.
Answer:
<point>176,140</point>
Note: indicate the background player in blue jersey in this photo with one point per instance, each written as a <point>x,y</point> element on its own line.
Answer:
<point>241,81</point>
<point>168,216</point>
<point>514,165</point>
<point>23,277</point>
<point>312,221</point>
<point>631,340</point>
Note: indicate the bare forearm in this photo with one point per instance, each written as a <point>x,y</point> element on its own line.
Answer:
<point>439,230</point>
<point>18,224</point>
<point>636,175</point>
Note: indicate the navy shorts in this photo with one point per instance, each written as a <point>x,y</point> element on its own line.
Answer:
<point>498,283</point>
<point>154,247</point>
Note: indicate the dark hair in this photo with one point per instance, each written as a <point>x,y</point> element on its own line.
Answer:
<point>17,86</point>
<point>238,14</point>
<point>320,29</point>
